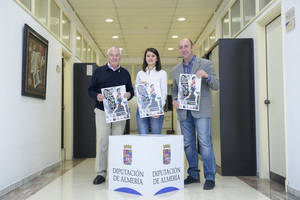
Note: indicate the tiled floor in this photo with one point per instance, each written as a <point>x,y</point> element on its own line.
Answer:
<point>73,181</point>
<point>40,182</point>
<point>271,189</point>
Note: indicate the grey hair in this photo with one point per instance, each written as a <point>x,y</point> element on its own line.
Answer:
<point>111,48</point>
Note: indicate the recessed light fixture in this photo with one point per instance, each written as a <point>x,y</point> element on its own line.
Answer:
<point>212,37</point>
<point>170,49</point>
<point>115,37</point>
<point>174,36</point>
<point>78,38</point>
<point>109,20</point>
<point>121,49</point>
<point>181,19</point>
<point>226,21</point>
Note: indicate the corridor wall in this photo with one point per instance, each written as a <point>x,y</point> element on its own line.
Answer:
<point>291,41</point>
<point>30,127</point>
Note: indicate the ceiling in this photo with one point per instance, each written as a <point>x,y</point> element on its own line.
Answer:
<point>143,23</point>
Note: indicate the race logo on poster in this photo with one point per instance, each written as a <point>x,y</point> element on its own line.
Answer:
<point>149,100</point>
<point>189,92</point>
<point>127,155</point>
<point>115,105</point>
<point>167,154</point>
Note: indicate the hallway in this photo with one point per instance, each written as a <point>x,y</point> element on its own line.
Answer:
<point>38,127</point>
<point>73,181</point>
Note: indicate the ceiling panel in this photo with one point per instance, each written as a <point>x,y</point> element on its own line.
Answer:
<point>141,24</point>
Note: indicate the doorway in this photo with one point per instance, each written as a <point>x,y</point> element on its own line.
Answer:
<point>66,107</point>
<point>275,101</point>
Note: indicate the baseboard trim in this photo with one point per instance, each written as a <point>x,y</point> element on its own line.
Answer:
<point>27,179</point>
<point>293,191</point>
<point>277,178</point>
<point>219,169</point>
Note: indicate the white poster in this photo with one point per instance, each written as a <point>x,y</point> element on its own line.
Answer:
<point>149,99</point>
<point>115,105</point>
<point>189,92</point>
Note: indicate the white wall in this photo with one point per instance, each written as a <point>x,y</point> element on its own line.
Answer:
<point>291,42</point>
<point>30,127</point>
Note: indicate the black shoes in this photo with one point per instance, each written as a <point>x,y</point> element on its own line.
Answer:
<point>209,185</point>
<point>99,179</point>
<point>190,180</point>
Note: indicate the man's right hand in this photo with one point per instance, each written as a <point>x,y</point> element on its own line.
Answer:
<point>176,104</point>
<point>100,97</point>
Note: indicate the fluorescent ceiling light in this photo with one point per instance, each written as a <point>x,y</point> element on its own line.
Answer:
<point>170,49</point>
<point>109,20</point>
<point>174,36</point>
<point>181,19</point>
<point>226,21</point>
<point>115,37</point>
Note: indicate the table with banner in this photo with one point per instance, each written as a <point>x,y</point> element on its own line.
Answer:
<point>146,164</point>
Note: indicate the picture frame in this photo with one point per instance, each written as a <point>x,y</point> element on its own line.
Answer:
<point>34,67</point>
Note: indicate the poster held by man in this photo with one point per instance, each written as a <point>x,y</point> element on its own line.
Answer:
<point>115,105</point>
<point>189,92</point>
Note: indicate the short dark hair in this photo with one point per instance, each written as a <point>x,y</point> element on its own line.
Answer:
<point>157,64</point>
<point>188,39</point>
<point>191,41</point>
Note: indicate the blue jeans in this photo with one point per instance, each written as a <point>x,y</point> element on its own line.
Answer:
<point>188,128</point>
<point>143,124</point>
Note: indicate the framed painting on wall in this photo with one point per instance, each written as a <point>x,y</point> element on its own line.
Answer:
<point>34,71</point>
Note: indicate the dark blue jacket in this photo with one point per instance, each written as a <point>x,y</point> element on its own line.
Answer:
<point>104,77</point>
